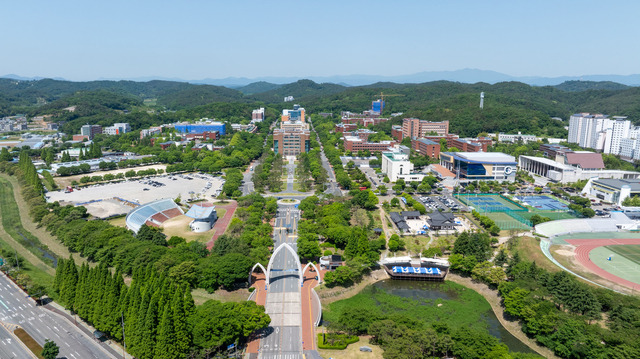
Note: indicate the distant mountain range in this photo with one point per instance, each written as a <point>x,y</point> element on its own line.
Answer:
<point>464,76</point>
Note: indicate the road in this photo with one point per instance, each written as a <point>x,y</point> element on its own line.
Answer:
<point>41,324</point>
<point>247,187</point>
<point>10,347</point>
<point>283,303</point>
<point>332,186</point>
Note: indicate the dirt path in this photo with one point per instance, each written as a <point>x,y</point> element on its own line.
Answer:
<point>45,237</point>
<point>494,300</point>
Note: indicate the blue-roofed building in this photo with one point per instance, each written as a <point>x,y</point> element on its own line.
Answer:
<point>201,127</point>
<point>204,216</point>
<point>480,166</point>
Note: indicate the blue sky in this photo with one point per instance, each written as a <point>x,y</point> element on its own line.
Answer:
<point>196,39</point>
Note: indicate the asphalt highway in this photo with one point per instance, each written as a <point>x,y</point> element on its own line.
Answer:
<point>10,347</point>
<point>41,324</point>
<point>284,340</point>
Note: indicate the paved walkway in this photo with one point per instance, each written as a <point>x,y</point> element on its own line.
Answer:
<point>260,297</point>
<point>222,223</point>
<point>310,310</point>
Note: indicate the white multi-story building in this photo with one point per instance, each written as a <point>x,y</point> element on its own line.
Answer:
<point>396,165</point>
<point>257,115</point>
<point>117,129</point>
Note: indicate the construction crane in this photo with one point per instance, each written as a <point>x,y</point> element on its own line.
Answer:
<point>382,95</point>
<point>381,99</point>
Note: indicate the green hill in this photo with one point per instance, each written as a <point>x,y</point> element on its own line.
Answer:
<point>575,86</point>
<point>258,87</point>
<point>301,90</point>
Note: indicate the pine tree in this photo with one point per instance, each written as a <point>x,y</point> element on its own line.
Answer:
<point>180,324</point>
<point>65,157</point>
<point>149,329</point>
<point>59,278</point>
<point>189,305</point>
<point>81,291</point>
<point>131,315</point>
<point>165,340</point>
<point>68,287</point>
<point>118,315</point>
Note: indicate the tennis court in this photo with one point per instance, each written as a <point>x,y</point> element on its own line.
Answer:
<point>543,203</point>
<point>489,202</point>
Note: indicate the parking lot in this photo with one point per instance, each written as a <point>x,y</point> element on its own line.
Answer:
<point>444,203</point>
<point>186,186</point>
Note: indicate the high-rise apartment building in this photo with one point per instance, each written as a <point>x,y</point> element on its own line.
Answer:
<point>599,132</point>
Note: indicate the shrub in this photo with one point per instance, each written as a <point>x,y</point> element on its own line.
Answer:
<point>336,341</point>
<point>327,253</point>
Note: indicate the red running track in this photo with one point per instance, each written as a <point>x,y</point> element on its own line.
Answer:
<point>585,246</point>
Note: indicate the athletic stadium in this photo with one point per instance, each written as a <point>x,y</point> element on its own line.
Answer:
<point>602,251</point>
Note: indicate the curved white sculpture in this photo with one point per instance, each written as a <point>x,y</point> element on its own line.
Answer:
<point>266,274</point>
<point>295,255</point>
<point>305,269</point>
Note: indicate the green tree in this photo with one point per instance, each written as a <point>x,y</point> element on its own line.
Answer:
<point>165,340</point>
<point>50,349</point>
<point>5,156</point>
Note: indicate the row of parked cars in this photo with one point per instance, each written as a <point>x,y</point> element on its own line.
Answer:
<point>442,204</point>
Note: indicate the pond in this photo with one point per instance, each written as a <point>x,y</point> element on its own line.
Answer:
<point>435,292</point>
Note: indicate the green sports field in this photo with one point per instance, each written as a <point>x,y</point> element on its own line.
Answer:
<point>624,263</point>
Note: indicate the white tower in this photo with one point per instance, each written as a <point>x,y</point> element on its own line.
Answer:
<point>481,100</point>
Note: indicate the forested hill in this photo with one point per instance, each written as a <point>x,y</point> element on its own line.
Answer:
<point>508,106</point>
<point>258,87</point>
<point>300,90</point>
<point>590,85</point>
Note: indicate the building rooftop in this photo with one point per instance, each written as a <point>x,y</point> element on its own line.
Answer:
<point>442,171</point>
<point>410,214</point>
<point>427,142</point>
<point>585,160</point>
<point>198,211</point>
<point>550,162</point>
<point>487,157</point>
<point>619,183</point>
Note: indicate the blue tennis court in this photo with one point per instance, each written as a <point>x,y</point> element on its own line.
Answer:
<point>543,203</point>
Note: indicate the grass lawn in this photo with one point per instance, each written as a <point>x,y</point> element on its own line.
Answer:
<point>11,221</point>
<point>200,295</point>
<point>118,222</point>
<point>179,226</point>
<point>46,238</point>
<point>29,342</point>
<point>416,244</point>
<point>529,249</point>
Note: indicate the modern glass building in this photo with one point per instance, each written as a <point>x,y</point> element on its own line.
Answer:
<point>480,166</point>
